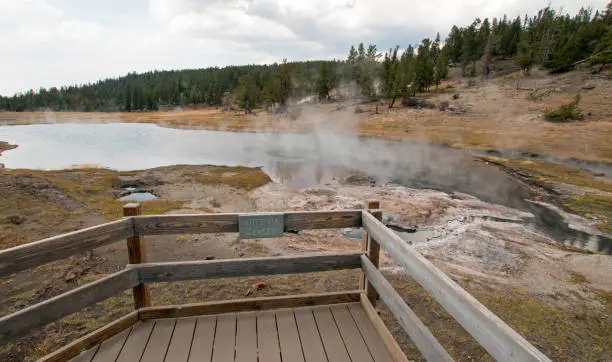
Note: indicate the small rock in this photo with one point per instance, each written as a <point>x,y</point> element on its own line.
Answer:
<point>241,255</point>
<point>210,257</point>
<point>16,220</point>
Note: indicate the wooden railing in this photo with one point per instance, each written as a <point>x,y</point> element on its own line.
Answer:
<point>501,341</point>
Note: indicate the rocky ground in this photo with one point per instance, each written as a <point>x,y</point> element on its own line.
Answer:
<point>558,298</point>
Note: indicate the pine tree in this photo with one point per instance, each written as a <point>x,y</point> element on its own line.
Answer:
<point>441,67</point>
<point>524,55</point>
<point>247,93</point>
<point>424,66</point>
<point>454,42</point>
<point>325,82</point>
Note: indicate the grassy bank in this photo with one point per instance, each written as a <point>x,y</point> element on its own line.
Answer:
<point>577,190</point>
<point>5,146</point>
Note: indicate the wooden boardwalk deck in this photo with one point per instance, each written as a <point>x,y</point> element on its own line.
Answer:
<point>341,332</point>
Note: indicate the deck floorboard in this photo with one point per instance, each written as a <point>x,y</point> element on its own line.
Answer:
<point>334,333</point>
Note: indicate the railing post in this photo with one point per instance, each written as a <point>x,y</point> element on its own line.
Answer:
<point>137,255</point>
<point>372,248</point>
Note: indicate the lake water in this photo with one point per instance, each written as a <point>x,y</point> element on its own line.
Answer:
<point>296,159</point>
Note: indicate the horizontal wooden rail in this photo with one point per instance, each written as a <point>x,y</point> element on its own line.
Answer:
<point>17,323</point>
<point>189,270</point>
<point>429,346</point>
<point>228,223</point>
<point>41,252</point>
<point>501,341</point>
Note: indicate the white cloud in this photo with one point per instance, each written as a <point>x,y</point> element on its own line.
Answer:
<point>53,43</point>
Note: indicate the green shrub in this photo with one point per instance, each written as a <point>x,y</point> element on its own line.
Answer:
<point>565,113</point>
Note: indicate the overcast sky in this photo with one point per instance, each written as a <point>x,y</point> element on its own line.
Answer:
<point>59,42</point>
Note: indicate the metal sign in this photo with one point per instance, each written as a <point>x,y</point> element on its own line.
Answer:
<point>256,226</point>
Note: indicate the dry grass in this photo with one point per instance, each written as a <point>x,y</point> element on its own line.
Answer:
<point>550,172</point>
<point>5,146</point>
<point>593,206</point>
<point>592,198</point>
<point>579,333</point>
<point>245,178</point>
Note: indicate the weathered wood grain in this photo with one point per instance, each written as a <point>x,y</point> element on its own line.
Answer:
<point>44,251</point>
<point>180,344</point>
<point>501,341</point>
<point>373,250</point>
<point>62,305</point>
<point>295,221</point>
<point>355,345</point>
<point>394,349</point>
<point>288,336</point>
<point>224,348</point>
<point>267,337</point>
<point>109,349</point>
<point>330,335</point>
<point>246,337</point>
<point>228,223</point>
<point>92,339</point>
<point>369,333</point>
<point>185,224</point>
<point>309,336</point>
<point>137,254</point>
<point>250,304</point>
<point>159,341</point>
<point>136,342</point>
<point>203,339</point>
<point>429,346</point>
<point>189,270</point>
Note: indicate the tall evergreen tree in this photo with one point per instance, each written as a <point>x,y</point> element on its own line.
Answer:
<point>326,81</point>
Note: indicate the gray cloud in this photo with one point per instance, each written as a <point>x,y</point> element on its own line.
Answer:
<point>58,42</point>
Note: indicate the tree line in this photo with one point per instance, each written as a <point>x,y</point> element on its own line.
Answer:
<point>551,39</point>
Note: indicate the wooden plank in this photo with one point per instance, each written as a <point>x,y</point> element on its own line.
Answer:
<point>86,356</point>
<point>180,344</point>
<point>185,224</point>
<point>228,223</point>
<point>288,336</point>
<point>92,339</point>
<point>62,246</point>
<point>224,348</point>
<point>136,255</point>
<point>267,337</point>
<point>396,352</point>
<point>20,322</point>
<point>159,341</point>
<point>330,335</point>
<point>501,341</point>
<point>136,342</point>
<point>369,205</point>
<point>110,349</point>
<point>204,269</point>
<point>203,338</point>
<point>246,337</point>
<point>249,304</point>
<point>429,346</point>
<point>306,220</point>
<point>309,336</point>
<point>373,340</point>
<point>374,256</point>
<point>355,345</point>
